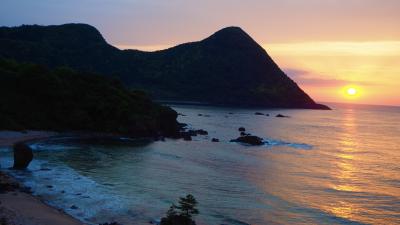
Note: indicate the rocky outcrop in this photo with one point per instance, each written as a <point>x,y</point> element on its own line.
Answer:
<point>23,155</point>
<point>249,139</point>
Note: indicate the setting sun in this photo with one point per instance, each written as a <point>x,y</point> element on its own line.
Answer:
<point>351,91</point>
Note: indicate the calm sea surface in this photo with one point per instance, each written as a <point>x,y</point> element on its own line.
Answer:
<point>319,167</point>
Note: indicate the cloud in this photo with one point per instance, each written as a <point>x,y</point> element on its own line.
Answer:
<point>307,78</point>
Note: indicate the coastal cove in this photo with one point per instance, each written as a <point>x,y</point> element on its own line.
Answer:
<point>315,167</point>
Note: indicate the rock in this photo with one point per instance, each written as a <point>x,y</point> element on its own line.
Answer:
<point>249,139</point>
<point>215,140</point>
<point>186,136</point>
<point>201,132</point>
<point>242,129</point>
<point>49,186</point>
<point>259,114</point>
<point>74,207</point>
<point>180,114</point>
<point>282,116</point>
<point>267,114</point>
<point>200,114</point>
<point>23,155</point>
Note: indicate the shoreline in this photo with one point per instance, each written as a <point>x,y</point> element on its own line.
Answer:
<point>17,206</point>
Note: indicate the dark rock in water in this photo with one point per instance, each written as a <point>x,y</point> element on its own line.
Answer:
<point>200,114</point>
<point>201,132</point>
<point>49,186</point>
<point>186,136</point>
<point>242,129</point>
<point>259,114</point>
<point>230,113</point>
<point>180,114</point>
<point>23,155</point>
<point>215,140</point>
<point>249,139</point>
<point>74,207</point>
<point>282,116</point>
<point>267,114</point>
<point>194,133</point>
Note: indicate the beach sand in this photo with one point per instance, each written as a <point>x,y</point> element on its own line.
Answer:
<point>18,207</point>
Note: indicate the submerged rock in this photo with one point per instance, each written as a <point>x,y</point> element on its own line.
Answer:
<point>242,129</point>
<point>23,155</point>
<point>259,114</point>
<point>215,140</point>
<point>249,139</point>
<point>282,116</point>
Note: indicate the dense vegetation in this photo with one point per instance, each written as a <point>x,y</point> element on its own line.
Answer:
<point>228,68</point>
<point>36,97</point>
<point>182,214</point>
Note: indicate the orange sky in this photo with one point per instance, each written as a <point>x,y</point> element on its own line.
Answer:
<point>324,45</point>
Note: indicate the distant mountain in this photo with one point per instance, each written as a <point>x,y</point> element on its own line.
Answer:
<point>227,68</point>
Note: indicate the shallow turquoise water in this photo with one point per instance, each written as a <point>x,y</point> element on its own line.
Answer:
<point>321,167</point>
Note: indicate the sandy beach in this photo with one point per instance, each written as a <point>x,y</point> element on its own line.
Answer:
<point>18,207</point>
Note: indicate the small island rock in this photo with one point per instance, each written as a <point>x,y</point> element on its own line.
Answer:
<point>249,139</point>
<point>282,116</point>
<point>23,155</point>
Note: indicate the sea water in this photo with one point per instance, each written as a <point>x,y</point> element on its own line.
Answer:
<point>316,167</point>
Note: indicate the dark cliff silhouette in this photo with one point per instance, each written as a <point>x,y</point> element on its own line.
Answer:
<point>227,68</point>
<point>35,97</point>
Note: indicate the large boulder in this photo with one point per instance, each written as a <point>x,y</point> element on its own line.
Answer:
<point>23,155</point>
<point>249,139</point>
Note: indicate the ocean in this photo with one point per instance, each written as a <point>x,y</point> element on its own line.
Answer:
<point>316,167</point>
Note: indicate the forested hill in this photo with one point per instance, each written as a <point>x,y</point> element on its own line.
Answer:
<point>227,68</point>
<point>33,97</point>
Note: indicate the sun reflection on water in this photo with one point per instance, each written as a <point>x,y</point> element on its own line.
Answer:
<point>346,173</point>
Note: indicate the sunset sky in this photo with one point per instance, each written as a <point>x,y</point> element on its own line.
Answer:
<point>326,46</point>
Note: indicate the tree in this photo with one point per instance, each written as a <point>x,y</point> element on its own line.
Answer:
<point>183,213</point>
<point>187,206</point>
